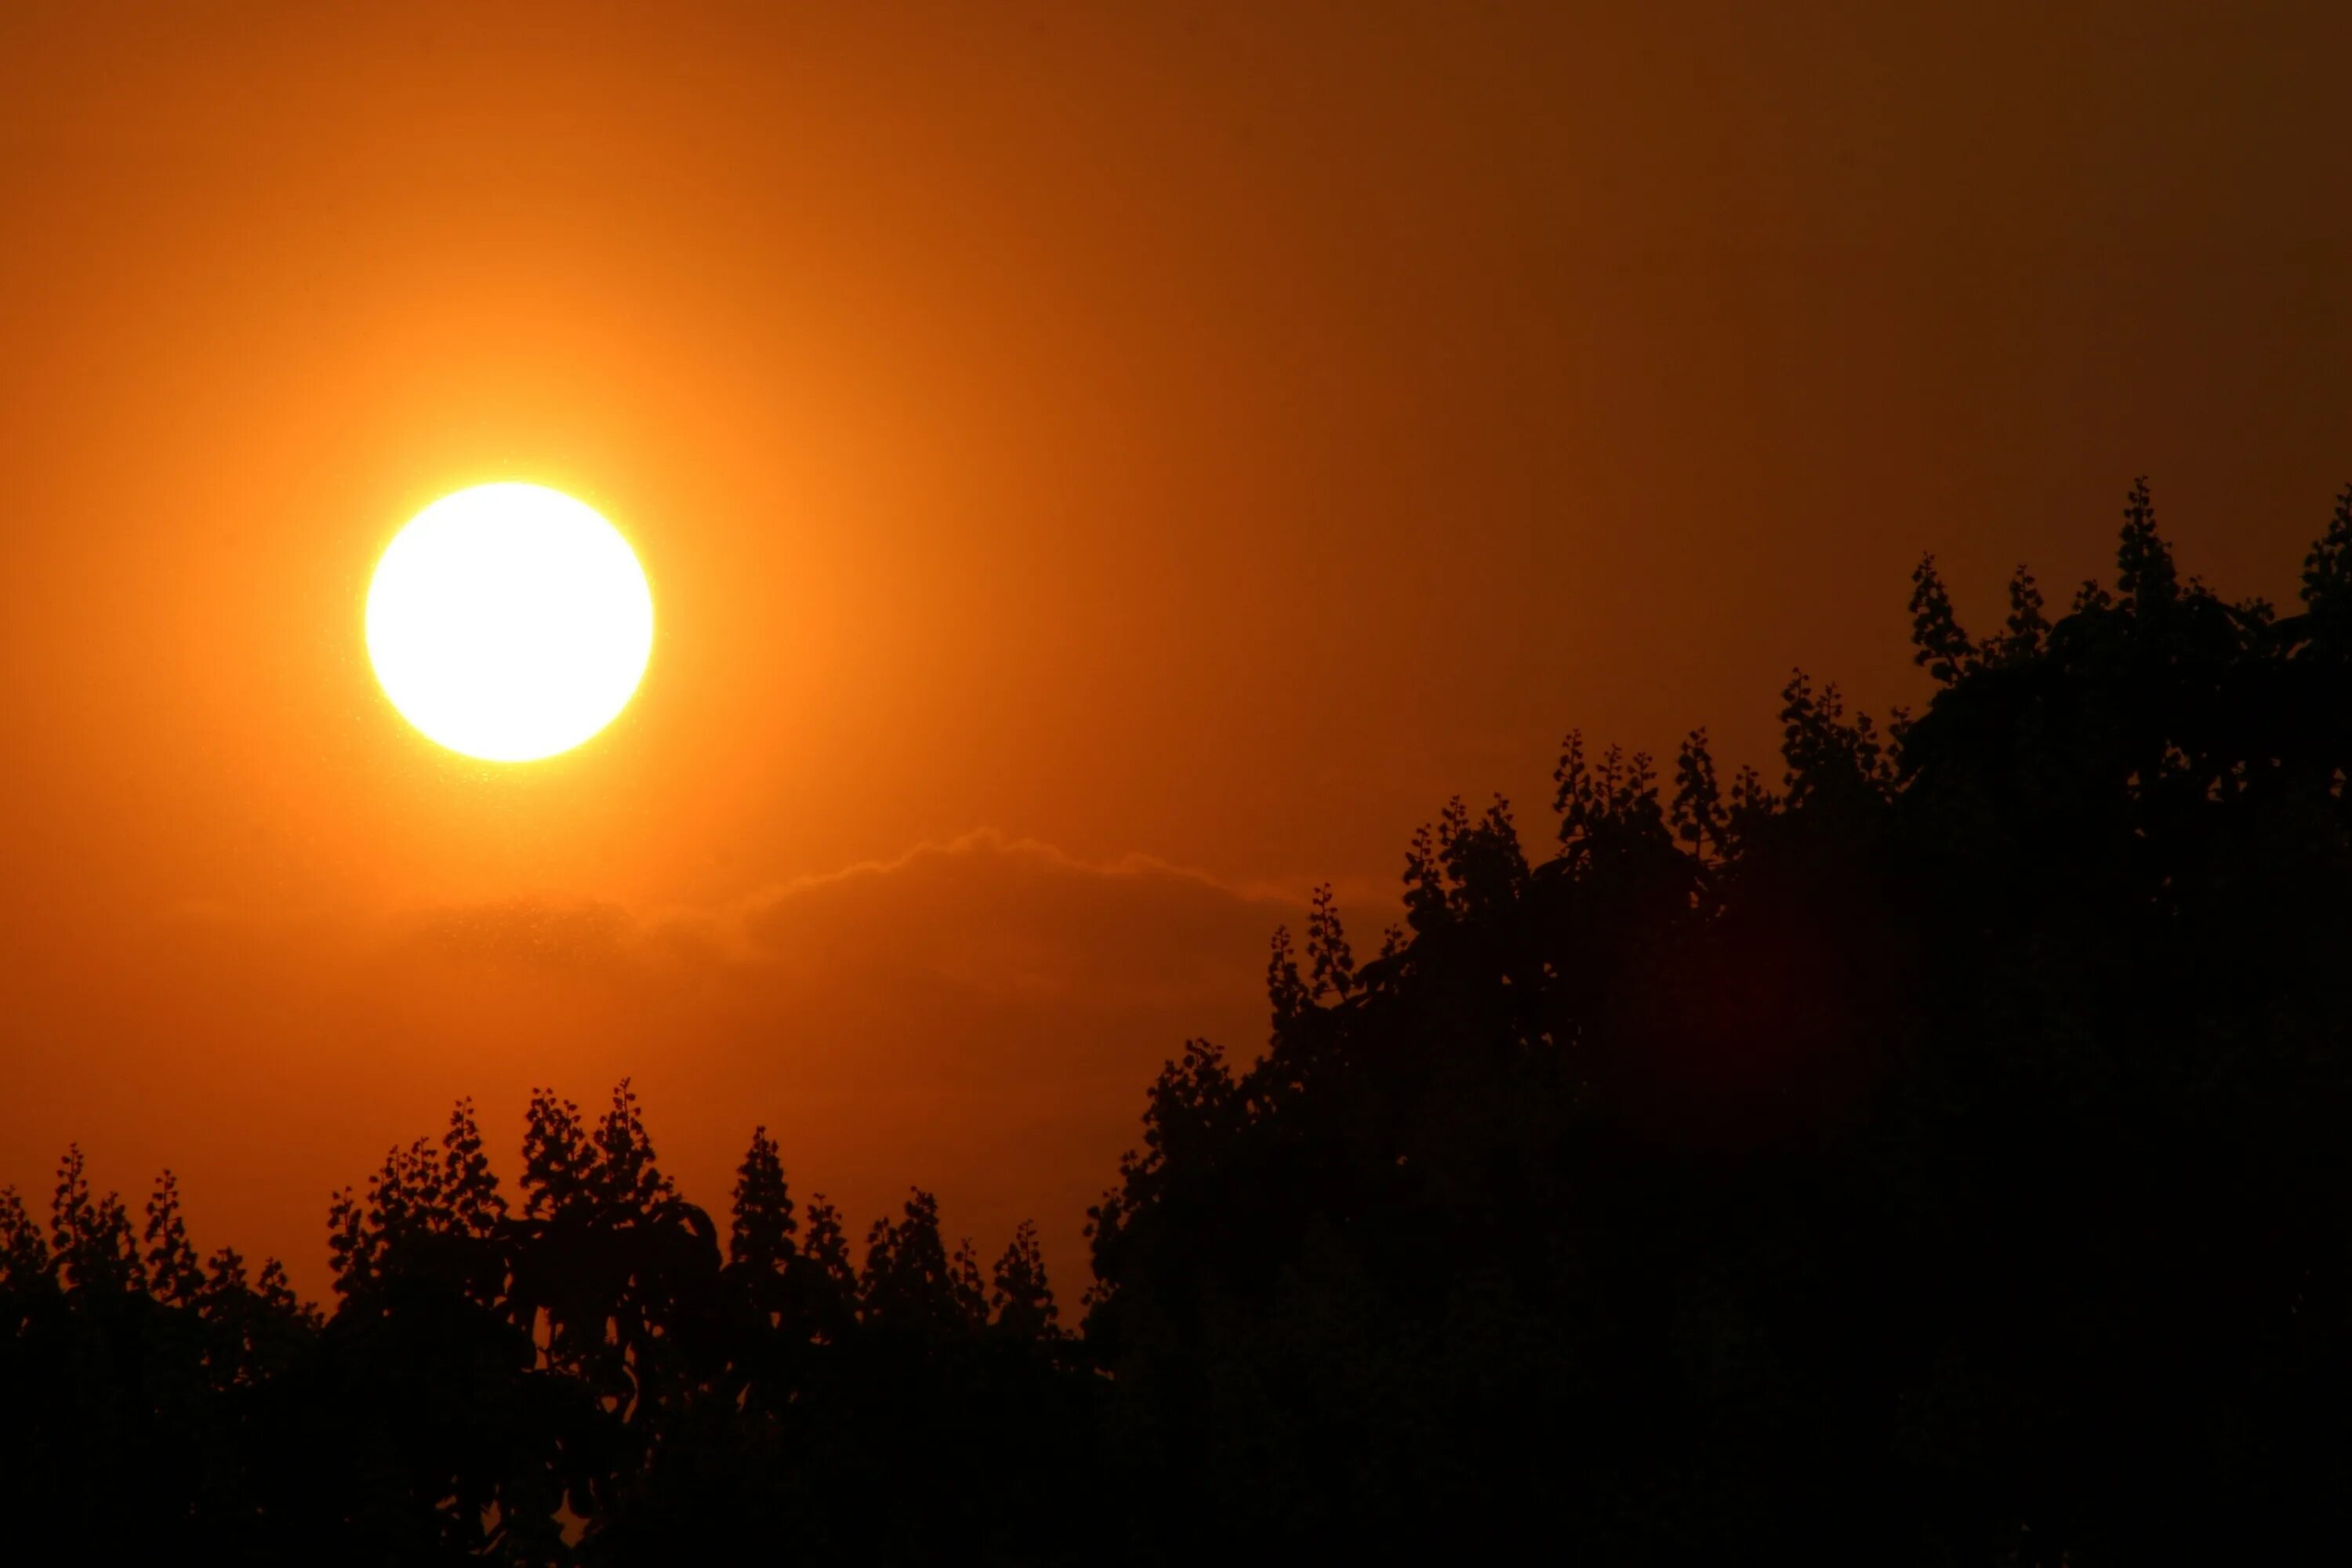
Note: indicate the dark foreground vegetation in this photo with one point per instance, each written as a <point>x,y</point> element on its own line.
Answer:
<point>1945,1156</point>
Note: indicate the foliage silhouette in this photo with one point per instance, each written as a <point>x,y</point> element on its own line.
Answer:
<point>1937,1156</point>
<point>1940,1157</point>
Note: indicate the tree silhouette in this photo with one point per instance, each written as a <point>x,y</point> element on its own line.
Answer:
<point>1938,1155</point>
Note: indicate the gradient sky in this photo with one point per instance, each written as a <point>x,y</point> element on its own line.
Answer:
<point>1102,470</point>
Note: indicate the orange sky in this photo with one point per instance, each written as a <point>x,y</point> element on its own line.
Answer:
<point>1100,474</point>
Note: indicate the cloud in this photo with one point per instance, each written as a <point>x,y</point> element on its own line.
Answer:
<point>999,918</point>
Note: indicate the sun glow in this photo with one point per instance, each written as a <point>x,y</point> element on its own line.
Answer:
<point>509,622</point>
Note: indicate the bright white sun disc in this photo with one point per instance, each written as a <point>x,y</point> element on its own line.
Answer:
<point>509,622</point>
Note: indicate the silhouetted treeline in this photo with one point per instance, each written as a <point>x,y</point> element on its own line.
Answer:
<point>1942,1155</point>
<point>587,1372</point>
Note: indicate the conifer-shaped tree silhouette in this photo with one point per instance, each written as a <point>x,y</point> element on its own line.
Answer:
<point>171,1259</point>
<point>1020,1299</point>
<point>24,1251</point>
<point>92,1236</point>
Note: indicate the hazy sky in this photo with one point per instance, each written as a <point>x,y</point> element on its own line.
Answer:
<point>1102,471</point>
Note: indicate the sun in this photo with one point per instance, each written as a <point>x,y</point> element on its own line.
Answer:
<point>509,622</point>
